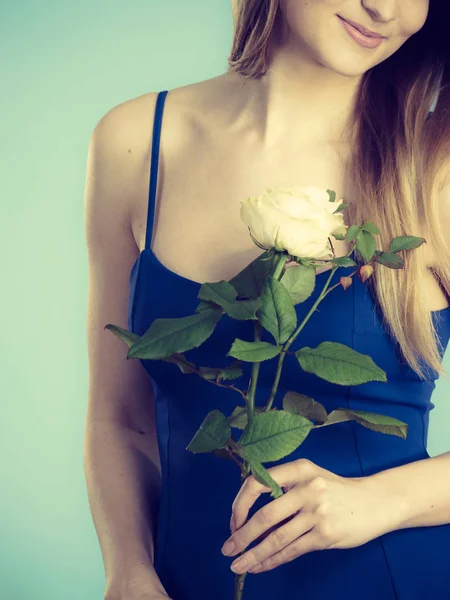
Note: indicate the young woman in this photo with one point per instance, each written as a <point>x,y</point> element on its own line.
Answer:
<point>348,95</point>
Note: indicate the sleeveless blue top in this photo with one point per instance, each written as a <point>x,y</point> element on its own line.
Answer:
<point>198,489</point>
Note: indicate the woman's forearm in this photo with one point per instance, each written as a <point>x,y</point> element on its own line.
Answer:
<point>422,488</point>
<point>124,487</point>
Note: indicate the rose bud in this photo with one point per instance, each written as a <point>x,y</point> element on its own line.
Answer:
<point>365,272</point>
<point>298,220</point>
<point>346,282</point>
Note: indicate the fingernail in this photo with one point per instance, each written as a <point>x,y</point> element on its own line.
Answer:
<point>228,548</point>
<point>238,564</point>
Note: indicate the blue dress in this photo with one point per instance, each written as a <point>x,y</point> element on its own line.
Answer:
<point>198,489</point>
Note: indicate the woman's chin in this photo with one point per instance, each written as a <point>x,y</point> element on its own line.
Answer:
<point>348,64</point>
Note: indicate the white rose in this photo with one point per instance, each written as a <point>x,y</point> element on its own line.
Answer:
<point>299,220</point>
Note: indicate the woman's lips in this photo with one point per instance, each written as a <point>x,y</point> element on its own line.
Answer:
<point>363,40</point>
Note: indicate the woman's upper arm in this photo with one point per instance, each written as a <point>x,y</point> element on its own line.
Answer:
<point>119,389</point>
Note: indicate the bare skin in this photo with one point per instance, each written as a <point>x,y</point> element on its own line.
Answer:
<point>210,159</point>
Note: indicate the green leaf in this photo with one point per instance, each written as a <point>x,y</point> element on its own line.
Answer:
<point>249,282</point>
<point>182,363</point>
<point>338,236</point>
<point>373,421</point>
<point>238,417</point>
<point>262,475</point>
<point>220,292</point>
<point>166,337</point>
<point>243,310</point>
<point>343,261</point>
<point>371,228</point>
<point>391,260</point>
<point>277,314</point>
<point>406,242</point>
<point>341,207</point>
<point>205,305</point>
<point>231,372</point>
<point>352,232</point>
<point>299,404</point>
<point>253,351</point>
<point>365,243</point>
<point>299,282</point>
<point>272,435</point>
<point>332,195</point>
<point>335,416</point>
<point>210,372</point>
<point>128,337</point>
<point>339,364</point>
<point>213,433</point>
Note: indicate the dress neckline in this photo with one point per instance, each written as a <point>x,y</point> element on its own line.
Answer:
<point>192,282</point>
<point>197,284</point>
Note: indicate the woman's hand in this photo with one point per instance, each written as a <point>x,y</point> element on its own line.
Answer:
<point>323,510</point>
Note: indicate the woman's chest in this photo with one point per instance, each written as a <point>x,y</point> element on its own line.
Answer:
<point>197,229</point>
<point>197,232</point>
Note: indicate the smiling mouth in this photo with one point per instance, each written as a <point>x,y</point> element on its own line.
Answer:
<point>366,41</point>
<point>361,29</point>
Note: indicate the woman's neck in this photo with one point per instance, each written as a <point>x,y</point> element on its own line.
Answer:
<point>296,94</point>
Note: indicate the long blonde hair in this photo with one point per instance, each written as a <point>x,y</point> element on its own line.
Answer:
<point>400,159</point>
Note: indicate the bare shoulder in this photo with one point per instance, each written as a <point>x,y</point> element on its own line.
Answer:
<point>120,140</point>
<point>119,155</point>
<point>123,135</point>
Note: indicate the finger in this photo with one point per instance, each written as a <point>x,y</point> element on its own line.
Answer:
<point>308,542</point>
<point>286,475</point>
<point>273,545</point>
<point>251,489</point>
<point>271,516</point>
<point>245,498</point>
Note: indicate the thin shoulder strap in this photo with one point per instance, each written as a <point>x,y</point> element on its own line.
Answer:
<point>154,165</point>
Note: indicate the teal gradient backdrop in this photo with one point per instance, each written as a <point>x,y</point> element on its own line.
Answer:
<point>64,66</point>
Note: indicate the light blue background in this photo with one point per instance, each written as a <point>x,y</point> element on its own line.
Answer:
<point>63,66</point>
